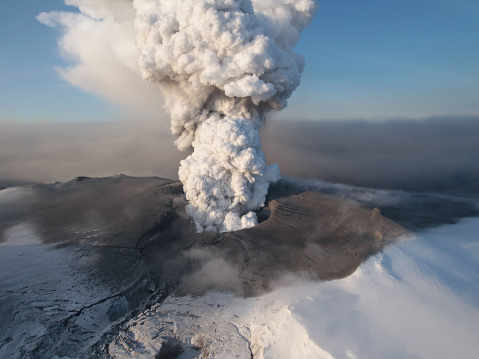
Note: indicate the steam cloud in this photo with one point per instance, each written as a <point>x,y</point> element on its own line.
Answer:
<point>221,65</point>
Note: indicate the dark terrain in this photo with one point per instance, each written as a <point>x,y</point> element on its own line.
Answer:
<point>79,258</point>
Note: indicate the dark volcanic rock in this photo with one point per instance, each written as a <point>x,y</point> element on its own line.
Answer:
<point>77,258</point>
<point>310,234</point>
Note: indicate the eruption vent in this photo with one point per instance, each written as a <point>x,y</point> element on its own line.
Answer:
<point>222,65</point>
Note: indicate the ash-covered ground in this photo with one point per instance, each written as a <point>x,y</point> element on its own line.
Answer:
<point>113,268</point>
<point>116,267</point>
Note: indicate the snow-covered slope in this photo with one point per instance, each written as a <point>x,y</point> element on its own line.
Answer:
<point>418,299</point>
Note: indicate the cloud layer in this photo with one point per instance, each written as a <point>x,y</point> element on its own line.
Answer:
<point>429,154</point>
<point>434,154</point>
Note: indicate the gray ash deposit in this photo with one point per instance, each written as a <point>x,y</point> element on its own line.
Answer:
<point>80,258</point>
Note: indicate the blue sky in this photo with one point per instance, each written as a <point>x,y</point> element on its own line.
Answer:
<point>365,59</point>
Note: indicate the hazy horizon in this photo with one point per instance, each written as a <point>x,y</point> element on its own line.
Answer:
<point>427,154</point>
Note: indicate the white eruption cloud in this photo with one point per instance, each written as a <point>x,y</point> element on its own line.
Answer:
<point>221,65</point>
<point>99,45</point>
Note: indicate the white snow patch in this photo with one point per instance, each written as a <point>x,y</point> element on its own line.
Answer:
<point>398,304</point>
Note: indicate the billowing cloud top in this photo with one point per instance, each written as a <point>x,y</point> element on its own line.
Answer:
<point>233,48</point>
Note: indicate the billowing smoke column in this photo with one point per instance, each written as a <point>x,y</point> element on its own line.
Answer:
<point>222,65</point>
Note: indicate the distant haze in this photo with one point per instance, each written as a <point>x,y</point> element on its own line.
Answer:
<point>434,154</point>
<point>50,152</point>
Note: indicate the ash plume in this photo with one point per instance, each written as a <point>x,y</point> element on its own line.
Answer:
<point>220,66</point>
